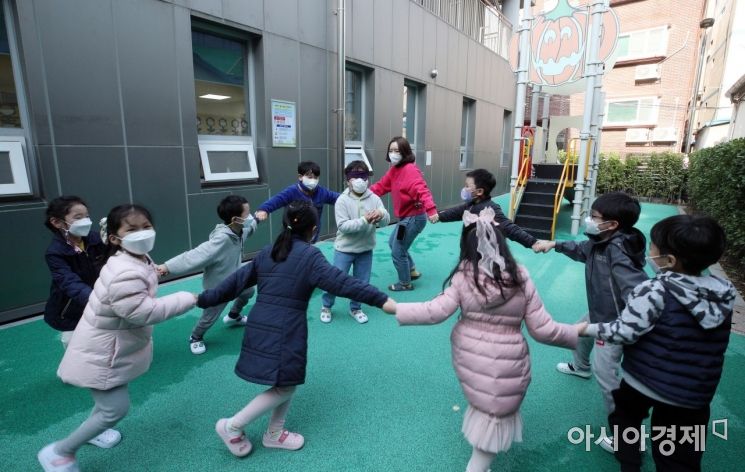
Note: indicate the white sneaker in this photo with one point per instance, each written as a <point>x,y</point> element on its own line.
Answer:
<point>326,315</point>
<point>606,442</point>
<point>52,462</point>
<point>240,321</point>
<point>197,346</point>
<point>107,439</point>
<point>569,369</point>
<point>285,440</point>
<point>358,315</point>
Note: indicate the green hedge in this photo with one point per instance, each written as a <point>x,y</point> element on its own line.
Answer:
<point>659,176</point>
<point>717,188</point>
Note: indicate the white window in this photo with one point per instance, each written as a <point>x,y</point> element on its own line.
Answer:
<point>642,44</point>
<point>467,133</point>
<point>226,158</point>
<point>14,167</point>
<point>354,116</point>
<point>222,68</point>
<point>631,111</point>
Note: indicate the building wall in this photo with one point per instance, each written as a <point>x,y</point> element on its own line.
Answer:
<point>110,90</point>
<point>677,72</point>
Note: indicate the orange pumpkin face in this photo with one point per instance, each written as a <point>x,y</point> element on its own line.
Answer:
<point>558,45</point>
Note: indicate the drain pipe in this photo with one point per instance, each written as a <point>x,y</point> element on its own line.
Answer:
<point>341,83</point>
<point>544,125</point>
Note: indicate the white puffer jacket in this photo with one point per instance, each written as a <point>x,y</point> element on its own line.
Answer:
<point>112,344</point>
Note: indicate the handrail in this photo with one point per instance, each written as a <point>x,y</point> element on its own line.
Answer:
<point>522,178</point>
<point>567,175</point>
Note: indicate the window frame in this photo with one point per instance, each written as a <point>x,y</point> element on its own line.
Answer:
<point>465,161</point>
<point>355,149</point>
<point>354,146</point>
<point>15,140</point>
<point>216,142</point>
<point>507,133</point>
<point>232,144</point>
<point>661,52</point>
<point>636,122</point>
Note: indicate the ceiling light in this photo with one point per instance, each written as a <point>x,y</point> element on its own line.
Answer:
<point>212,96</point>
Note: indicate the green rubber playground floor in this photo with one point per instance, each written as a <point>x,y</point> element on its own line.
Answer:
<point>378,397</point>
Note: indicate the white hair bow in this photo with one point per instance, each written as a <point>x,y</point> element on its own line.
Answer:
<point>488,245</point>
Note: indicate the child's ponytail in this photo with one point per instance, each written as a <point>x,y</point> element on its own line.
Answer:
<point>300,219</point>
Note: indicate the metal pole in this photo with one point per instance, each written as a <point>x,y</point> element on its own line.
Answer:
<point>597,9</point>
<point>595,149</point>
<point>522,85</point>
<point>544,124</point>
<point>535,96</point>
<point>694,95</point>
<point>341,83</point>
<point>596,158</point>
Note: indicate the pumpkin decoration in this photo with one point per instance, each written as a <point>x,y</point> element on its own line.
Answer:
<point>559,44</point>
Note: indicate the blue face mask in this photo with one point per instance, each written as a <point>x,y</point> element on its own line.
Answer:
<point>466,195</point>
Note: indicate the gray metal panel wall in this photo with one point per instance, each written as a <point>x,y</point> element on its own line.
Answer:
<point>110,88</point>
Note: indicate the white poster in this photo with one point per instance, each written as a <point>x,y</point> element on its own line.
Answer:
<point>283,124</point>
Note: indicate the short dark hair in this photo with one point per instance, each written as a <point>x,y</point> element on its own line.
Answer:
<point>230,206</point>
<point>356,166</point>
<point>309,166</point>
<point>404,148</point>
<point>60,207</point>
<point>696,241</point>
<point>620,207</point>
<point>484,179</point>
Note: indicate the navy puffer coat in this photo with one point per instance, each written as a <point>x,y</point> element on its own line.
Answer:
<point>275,343</point>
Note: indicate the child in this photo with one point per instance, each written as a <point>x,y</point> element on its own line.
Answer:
<point>675,329</point>
<point>614,265</point>
<point>477,196</point>
<point>412,204</point>
<point>358,213</point>
<point>275,341</point>
<point>75,257</point>
<point>306,188</point>
<point>112,344</point>
<point>219,256</point>
<point>490,354</point>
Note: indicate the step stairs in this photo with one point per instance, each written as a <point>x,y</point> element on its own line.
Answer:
<point>536,211</point>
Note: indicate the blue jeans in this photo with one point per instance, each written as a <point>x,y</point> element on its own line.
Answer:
<point>401,239</point>
<point>361,264</point>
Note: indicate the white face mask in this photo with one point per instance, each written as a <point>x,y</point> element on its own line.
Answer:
<point>653,264</point>
<point>591,227</point>
<point>80,227</point>
<point>358,185</point>
<point>394,157</point>
<point>139,242</point>
<point>246,223</point>
<point>310,183</point>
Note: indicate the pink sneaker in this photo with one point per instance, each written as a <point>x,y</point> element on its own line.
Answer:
<point>238,445</point>
<point>286,440</point>
<point>52,462</point>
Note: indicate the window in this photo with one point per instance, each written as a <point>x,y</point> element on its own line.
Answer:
<point>354,113</point>
<point>506,139</point>
<point>631,111</point>
<point>412,126</point>
<point>642,44</point>
<point>222,62</point>
<point>467,131</point>
<point>14,172</point>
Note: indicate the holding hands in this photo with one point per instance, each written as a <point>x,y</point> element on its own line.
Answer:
<point>543,246</point>
<point>390,306</point>
<point>261,215</point>
<point>434,218</point>
<point>162,270</point>
<point>581,328</point>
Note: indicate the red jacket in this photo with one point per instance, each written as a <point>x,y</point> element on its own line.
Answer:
<point>411,196</point>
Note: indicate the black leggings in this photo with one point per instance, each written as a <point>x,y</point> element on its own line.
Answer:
<point>631,409</point>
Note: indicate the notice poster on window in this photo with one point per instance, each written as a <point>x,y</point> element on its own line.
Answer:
<point>283,124</point>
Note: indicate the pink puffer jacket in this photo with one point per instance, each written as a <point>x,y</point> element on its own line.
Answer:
<point>490,354</point>
<point>112,343</point>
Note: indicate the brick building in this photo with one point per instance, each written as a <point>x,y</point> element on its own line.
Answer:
<point>648,90</point>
